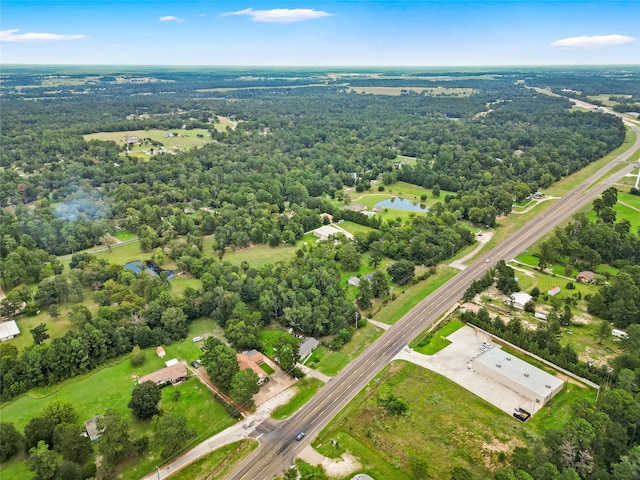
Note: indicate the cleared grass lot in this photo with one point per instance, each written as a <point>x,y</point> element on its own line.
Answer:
<point>429,343</point>
<point>305,390</point>
<point>331,362</point>
<point>470,433</point>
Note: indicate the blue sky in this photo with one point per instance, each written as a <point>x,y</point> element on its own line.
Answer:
<point>333,33</point>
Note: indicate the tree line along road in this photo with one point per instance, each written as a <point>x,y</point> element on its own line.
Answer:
<point>279,448</point>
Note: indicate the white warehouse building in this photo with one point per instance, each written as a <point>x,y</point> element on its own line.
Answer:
<point>520,376</point>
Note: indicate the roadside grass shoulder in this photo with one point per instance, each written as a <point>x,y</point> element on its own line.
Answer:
<point>305,390</point>
<point>218,463</point>
<point>408,296</point>
<point>429,343</point>
<point>331,362</point>
<point>385,444</point>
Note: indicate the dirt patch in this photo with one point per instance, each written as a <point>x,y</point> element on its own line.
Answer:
<point>346,465</point>
<point>491,452</point>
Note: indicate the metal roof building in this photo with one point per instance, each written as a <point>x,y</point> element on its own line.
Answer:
<point>8,330</point>
<point>518,375</point>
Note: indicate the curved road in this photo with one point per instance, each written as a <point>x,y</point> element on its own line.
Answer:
<point>279,447</point>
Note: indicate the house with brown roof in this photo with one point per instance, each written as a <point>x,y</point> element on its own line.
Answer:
<point>586,277</point>
<point>174,375</point>
<point>246,362</point>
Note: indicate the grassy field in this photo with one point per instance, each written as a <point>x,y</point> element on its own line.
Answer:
<point>268,336</point>
<point>470,433</point>
<point>260,254</point>
<point>110,387</point>
<point>622,212</point>
<point>408,296</point>
<point>429,91</point>
<point>305,390</point>
<point>331,362</point>
<point>633,200</point>
<point>218,463</point>
<point>182,139</point>
<point>429,343</point>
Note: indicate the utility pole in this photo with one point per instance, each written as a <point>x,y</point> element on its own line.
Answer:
<point>357,315</point>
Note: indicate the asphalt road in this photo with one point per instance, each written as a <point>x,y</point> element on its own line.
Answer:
<point>279,448</point>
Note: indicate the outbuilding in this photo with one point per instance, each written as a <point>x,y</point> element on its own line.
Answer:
<point>519,300</point>
<point>8,330</point>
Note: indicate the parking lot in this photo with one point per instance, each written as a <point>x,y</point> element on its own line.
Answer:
<point>454,363</point>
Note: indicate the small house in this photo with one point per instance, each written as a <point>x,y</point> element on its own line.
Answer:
<point>586,277</point>
<point>8,330</point>
<point>552,292</point>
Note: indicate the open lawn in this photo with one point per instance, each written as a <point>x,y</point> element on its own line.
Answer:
<point>331,362</point>
<point>305,390</point>
<point>633,200</point>
<point>622,213</point>
<point>260,254</point>
<point>354,228</point>
<point>429,343</point>
<point>218,463</point>
<point>470,433</point>
<point>123,254</point>
<point>408,296</point>
<point>268,336</point>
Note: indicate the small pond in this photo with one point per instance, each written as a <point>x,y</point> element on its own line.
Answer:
<point>400,203</point>
<point>138,266</point>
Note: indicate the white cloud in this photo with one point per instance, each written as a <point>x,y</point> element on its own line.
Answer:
<point>593,41</point>
<point>10,36</point>
<point>281,15</point>
<point>171,18</point>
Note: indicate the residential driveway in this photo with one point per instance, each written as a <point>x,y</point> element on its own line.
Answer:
<point>454,362</point>
<point>278,382</point>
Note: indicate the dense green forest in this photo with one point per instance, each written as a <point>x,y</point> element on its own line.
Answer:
<point>299,144</point>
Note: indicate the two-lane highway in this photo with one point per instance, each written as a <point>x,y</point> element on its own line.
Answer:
<point>279,447</point>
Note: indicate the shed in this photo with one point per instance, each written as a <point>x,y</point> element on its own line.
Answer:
<point>355,281</point>
<point>307,346</point>
<point>91,426</point>
<point>8,330</point>
<point>553,291</point>
<point>160,352</point>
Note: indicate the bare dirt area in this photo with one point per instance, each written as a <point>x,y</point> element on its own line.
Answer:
<point>334,468</point>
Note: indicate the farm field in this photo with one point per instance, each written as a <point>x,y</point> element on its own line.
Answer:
<point>428,91</point>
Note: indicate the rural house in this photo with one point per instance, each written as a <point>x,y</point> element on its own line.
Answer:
<point>174,375</point>
<point>586,277</point>
<point>246,362</point>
